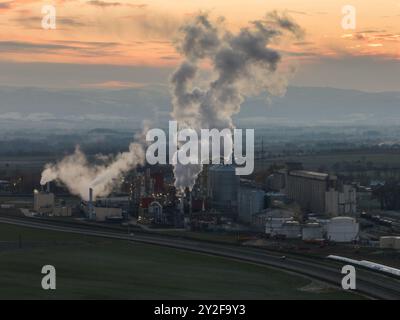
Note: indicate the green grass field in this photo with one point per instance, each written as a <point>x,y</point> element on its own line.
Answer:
<point>97,268</point>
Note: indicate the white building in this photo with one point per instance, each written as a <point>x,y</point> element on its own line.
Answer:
<point>312,231</point>
<point>43,202</point>
<point>342,229</point>
<point>391,242</point>
<point>341,202</point>
<point>283,227</point>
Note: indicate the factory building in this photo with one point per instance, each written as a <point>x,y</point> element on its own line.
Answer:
<point>223,188</point>
<point>342,229</point>
<point>62,211</point>
<point>101,214</point>
<point>315,192</point>
<point>392,242</point>
<point>104,213</point>
<point>251,201</point>
<point>43,202</point>
<point>308,189</point>
<point>338,229</point>
<point>99,210</point>
<point>123,202</point>
<point>283,227</point>
<point>312,231</point>
<point>342,201</point>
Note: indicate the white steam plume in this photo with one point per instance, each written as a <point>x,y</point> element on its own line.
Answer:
<point>78,175</point>
<point>243,64</point>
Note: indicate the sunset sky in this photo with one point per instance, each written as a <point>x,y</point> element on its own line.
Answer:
<point>122,43</point>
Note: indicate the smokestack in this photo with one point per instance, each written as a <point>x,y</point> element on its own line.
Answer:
<point>90,205</point>
<point>181,205</point>
<point>76,172</point>
<point>190,203</point>
<point>48,187</point>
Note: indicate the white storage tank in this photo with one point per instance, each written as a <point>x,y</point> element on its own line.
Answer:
<point>312,231</point>
<point>342,229</point>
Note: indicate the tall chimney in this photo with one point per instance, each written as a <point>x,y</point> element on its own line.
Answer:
<point>190,203</point>
<point>182,210</point>
<point>90,205</point>
<point>48,187</point>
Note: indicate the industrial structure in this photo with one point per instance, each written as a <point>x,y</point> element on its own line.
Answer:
<point>315,192</point>
<point>337,229</point>
<point>389,242</point>
<point>251,201</point>
<point>44,204</point>
<point>343,229</point>
<point>223,188</point>
<point>100,210</point>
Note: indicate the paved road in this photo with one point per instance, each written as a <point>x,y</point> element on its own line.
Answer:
<point>369,283</point>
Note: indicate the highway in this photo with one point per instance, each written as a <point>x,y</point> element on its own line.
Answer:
<point>369,283</point>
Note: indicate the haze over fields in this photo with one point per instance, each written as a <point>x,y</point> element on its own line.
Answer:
<point>115,108</point>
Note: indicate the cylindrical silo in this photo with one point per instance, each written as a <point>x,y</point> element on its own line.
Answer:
<point>223,188</point>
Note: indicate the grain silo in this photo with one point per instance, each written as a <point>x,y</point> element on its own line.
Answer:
<point>223,188</point>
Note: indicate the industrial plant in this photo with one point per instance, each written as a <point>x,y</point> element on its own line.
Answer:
<point>290,204</point>
<point>199,150</point>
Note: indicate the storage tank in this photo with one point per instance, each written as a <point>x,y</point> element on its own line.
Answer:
<point>386,242</point>
<point>312,231</point>
<point>342,229</point>
<point>223,188</point>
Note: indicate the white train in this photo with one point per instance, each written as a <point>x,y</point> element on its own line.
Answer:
<point>367,264</point>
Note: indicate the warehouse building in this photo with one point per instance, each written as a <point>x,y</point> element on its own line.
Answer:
<point>43,202</point>
<point>315,192</point>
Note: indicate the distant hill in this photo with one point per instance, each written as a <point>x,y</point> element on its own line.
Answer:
<point>93,108</point>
